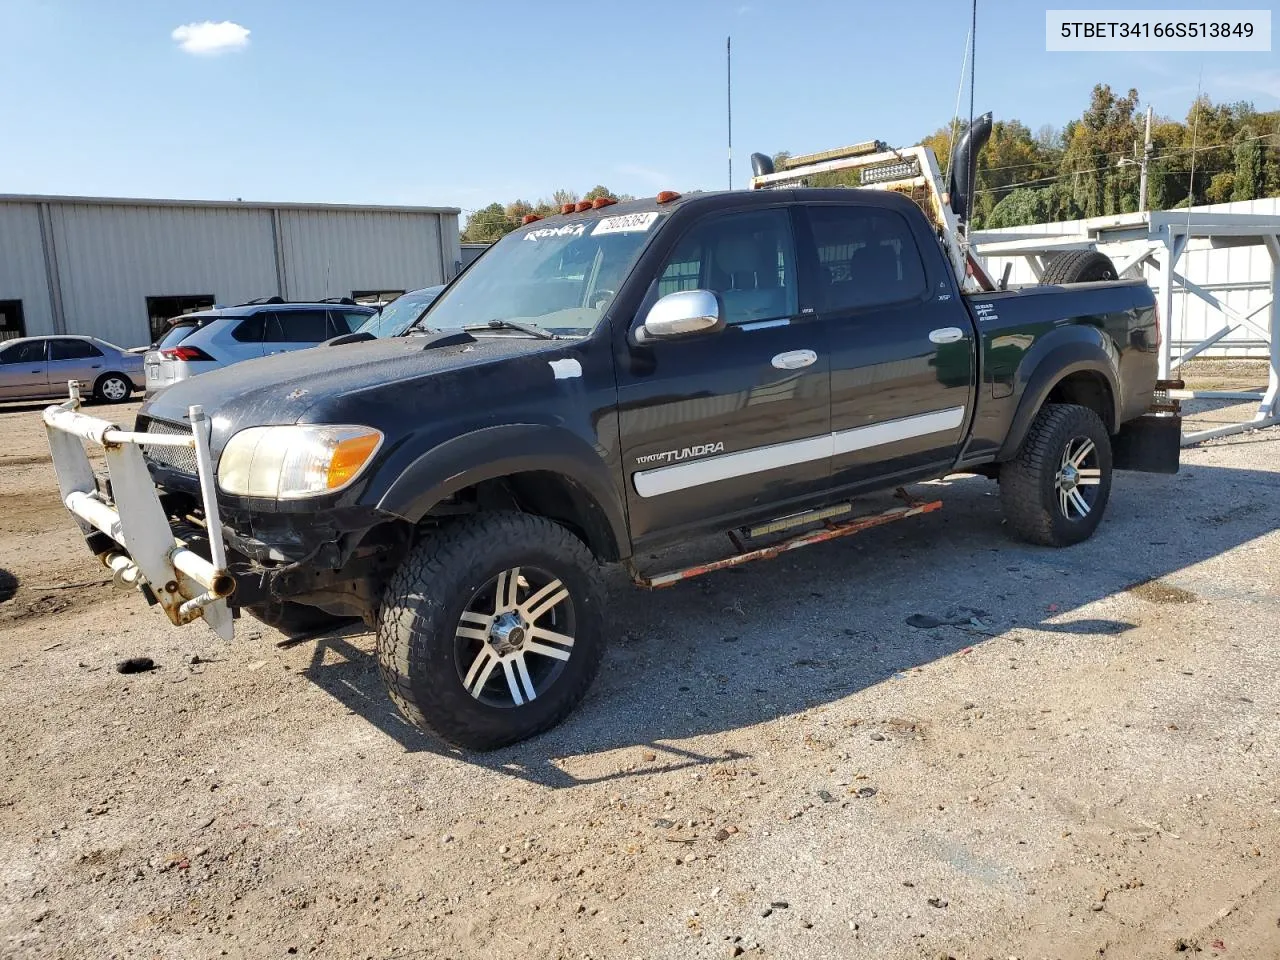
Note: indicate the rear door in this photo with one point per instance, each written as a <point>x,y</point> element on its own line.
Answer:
<point>902,344</point>
<point>71,358</point>
<point>718,426</point>
<point>295,330</point>
<point>24,370</point>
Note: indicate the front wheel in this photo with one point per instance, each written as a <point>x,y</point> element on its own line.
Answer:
<point>1055,490</point>
<point>492,629</point>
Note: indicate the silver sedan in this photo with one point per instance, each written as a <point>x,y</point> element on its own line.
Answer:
<point>34,368</point>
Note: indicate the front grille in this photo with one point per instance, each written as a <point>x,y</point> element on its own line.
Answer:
<point>176,458</point>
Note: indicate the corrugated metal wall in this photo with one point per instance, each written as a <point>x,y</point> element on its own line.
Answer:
<point>110,257</point>
<point>330,254</point>
<point>22,269</point>
<point>1239,276</point>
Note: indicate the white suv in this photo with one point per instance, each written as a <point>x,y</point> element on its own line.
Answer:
<point>198,342</point>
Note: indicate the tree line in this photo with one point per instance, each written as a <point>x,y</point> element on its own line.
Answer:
<point>1088,168</point>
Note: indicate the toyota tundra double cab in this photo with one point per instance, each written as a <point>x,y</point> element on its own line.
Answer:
<point>599,384</point>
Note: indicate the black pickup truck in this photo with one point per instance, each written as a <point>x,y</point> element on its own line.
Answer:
<point>609,380</point>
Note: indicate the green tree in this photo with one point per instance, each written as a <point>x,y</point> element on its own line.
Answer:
<point>488,224</point>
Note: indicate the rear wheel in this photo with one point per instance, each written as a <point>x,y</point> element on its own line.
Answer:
<point>1056,489</point>
<point>112,388</point>
<point>493,629</point>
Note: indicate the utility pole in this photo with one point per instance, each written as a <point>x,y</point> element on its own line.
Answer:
<point>728,63</point>
<point>1146,159</point>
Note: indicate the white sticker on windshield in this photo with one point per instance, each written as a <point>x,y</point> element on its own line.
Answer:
<point>568,230</point>
<point>627,223</point>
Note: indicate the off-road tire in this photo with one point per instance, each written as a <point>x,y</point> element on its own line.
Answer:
<point>295,619</point>
<point>424,602</point>
<point>1028,494</point>
<point>1079,266</point>
<point>108,388</point>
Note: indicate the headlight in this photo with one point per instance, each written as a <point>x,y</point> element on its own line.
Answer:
<point>289,463</point>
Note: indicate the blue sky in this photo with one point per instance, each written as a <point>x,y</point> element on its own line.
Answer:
<point>464,102</point>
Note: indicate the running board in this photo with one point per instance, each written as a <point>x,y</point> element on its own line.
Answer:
<point>830,532</point>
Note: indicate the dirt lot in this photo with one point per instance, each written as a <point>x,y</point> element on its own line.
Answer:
<point>1083,763</point>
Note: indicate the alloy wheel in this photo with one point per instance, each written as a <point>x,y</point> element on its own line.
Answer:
<point>515,637</point>
<point>1078,478</point>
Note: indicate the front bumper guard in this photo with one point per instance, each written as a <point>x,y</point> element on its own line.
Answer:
<point>149,557</point>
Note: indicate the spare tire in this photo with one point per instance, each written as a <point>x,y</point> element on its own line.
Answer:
<point>1079,266</point>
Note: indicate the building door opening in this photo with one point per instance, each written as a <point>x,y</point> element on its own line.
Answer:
<point>161,309</point>
<point>12,323</point>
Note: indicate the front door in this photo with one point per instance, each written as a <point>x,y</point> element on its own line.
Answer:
<point>902,345</point>
<point>715,427</point>
<point>24,371</point>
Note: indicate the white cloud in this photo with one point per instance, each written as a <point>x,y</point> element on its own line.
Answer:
<point>209,39</point>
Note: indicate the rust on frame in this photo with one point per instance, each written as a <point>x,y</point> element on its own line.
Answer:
<point>830,532</point>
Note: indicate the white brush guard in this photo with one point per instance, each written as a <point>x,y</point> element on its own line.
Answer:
<point>186,585</point>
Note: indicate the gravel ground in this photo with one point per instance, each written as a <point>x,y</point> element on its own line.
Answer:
<point>1083,762</point>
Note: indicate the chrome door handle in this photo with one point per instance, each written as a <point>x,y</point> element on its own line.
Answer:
<point>946,335</point>
<point>795,359</point>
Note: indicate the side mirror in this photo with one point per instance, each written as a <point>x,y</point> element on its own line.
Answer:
<point>681,314</point>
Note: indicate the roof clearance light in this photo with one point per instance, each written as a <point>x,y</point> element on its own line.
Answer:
<point>666,196</point>
<point>529,218</point>
<point>599,202</point>
<point>568,207</point>
<point>584,205</point>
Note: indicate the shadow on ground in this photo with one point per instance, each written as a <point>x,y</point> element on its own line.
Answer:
<point>745,646</point>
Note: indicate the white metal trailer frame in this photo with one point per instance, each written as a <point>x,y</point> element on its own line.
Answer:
<point>1161,237</point>
<point>150,558</point>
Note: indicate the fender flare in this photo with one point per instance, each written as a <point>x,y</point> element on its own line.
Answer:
<point>1036,380</point>
<point>495,452</point>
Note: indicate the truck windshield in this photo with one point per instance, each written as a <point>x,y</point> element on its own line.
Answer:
<point>560,279</point>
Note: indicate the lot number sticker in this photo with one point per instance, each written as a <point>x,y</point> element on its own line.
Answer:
<point>627,223</point>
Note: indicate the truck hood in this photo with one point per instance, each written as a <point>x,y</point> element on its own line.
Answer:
<point>285,388</point>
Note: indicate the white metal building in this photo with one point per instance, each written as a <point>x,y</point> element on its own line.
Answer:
<point>117,268</point>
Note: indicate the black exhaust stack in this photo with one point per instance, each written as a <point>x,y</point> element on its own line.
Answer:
<point>761,164</point>
<point>964,162</point>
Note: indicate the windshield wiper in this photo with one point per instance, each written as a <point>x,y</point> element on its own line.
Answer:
<point>514,325</point>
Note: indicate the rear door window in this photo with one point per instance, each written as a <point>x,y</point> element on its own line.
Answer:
<point>298,326</point>
<point>867,257</point>
<point>72,350</point>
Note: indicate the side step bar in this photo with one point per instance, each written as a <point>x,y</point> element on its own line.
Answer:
<point>830,532</point>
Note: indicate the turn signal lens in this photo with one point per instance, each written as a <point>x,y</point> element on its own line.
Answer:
<point>349,456</point>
